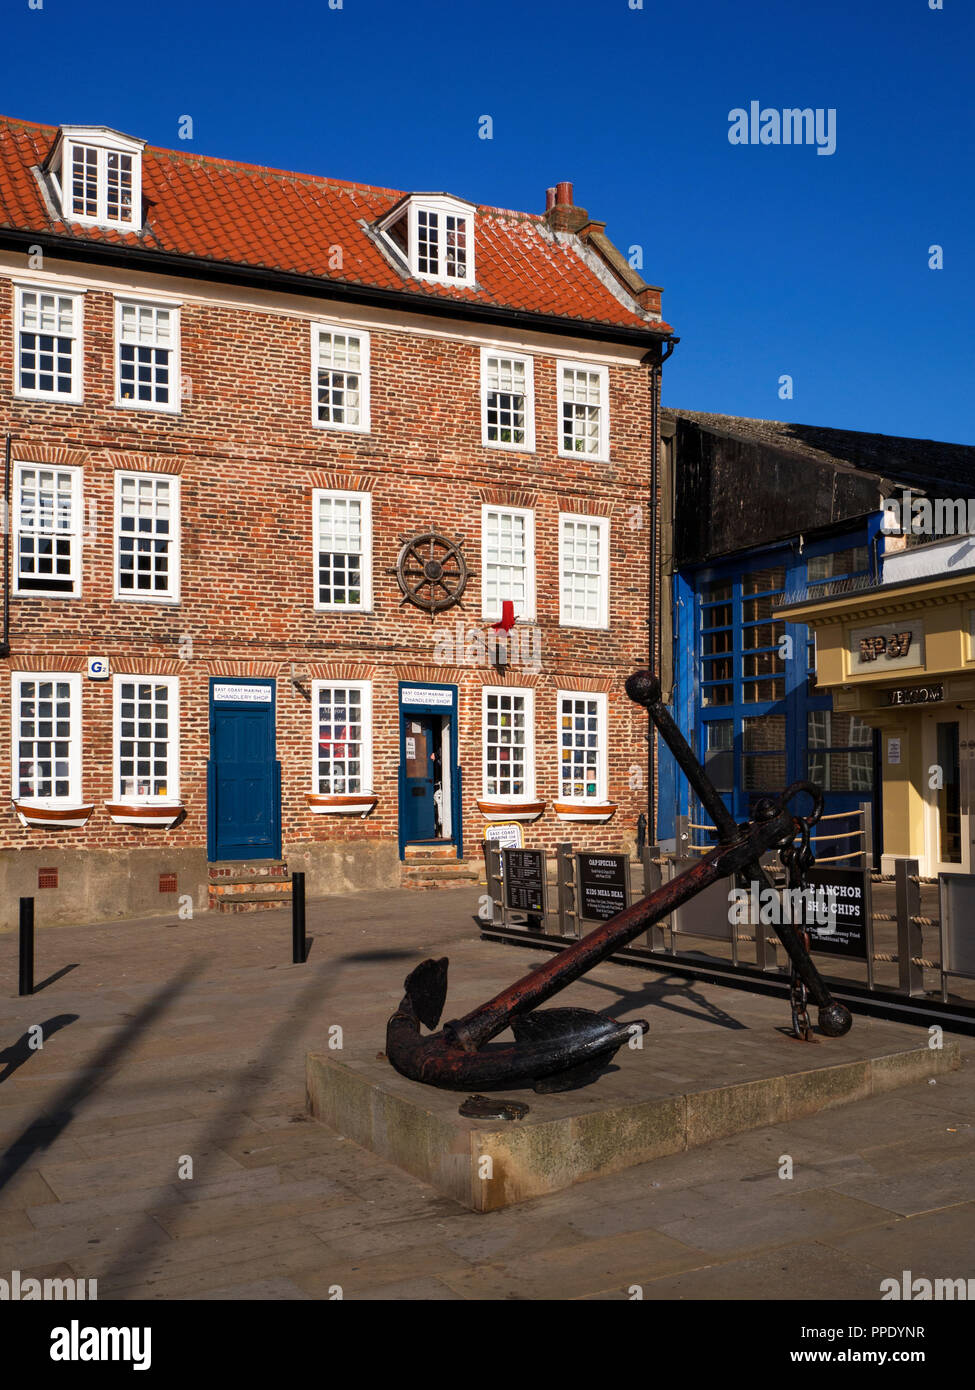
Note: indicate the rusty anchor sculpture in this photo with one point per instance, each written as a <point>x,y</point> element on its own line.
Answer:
<point>555,1049</point>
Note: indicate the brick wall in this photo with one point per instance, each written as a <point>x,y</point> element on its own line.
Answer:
<point>248,458</point>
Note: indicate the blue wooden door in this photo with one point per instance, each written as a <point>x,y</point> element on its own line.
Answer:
<point>421,761</point>
<point>244,809</point>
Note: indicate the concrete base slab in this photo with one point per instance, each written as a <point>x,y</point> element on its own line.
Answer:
<point>672,1094</point>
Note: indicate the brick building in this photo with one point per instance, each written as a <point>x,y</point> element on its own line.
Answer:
<point>236,400</point>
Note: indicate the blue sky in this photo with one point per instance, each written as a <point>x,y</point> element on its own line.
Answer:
<point>775,260</point>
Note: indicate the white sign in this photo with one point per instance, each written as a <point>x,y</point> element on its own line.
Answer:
<point>417,695</point>
<point>245,694</point>
<point>410,747</point>
<point>98,668</point>
<point>893,750</point>
<point>506,834</point>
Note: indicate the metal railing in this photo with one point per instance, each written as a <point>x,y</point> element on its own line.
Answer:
<point>863,834</point>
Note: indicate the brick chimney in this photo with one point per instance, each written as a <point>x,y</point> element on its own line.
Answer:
<point>561,212</point>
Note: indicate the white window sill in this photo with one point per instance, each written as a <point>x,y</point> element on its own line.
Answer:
<point>508,448</point>
<point>54,397</point>
<point>601,457</point>
<point>451,281</point>
<point>340,429</point>
<point>77,219</point>
<point>148,407</point>
<point>166,600</point>
<point>44,593</point>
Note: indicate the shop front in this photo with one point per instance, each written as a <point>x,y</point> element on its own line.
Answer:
<point>901,658</point>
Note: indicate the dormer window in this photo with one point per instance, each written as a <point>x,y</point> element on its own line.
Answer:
<point>434,233</point>
<point>97,173</point>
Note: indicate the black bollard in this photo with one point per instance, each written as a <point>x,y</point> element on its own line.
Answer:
<point>27,946</point>
<point>298,947</point>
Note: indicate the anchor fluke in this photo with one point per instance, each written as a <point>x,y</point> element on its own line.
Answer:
<point>426,990</point>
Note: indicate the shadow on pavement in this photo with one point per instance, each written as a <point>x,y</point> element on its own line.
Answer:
<point>21,1051</point>
<point>65,969</point>
<point>56,1116</point>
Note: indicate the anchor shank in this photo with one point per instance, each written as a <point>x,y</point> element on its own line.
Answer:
<point>644,689</point>
<point>485,1022</point>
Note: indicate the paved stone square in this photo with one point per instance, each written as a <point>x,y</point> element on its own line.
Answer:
<point>169,1041</point>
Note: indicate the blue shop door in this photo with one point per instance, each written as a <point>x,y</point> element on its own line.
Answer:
<point>421,761</point>
<point>243,811</point>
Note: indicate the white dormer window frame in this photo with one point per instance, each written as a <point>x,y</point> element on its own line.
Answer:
<point>98,177</point>
<point>439,237</point>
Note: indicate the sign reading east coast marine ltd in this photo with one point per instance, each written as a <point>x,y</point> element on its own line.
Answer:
<point>427,695</point>
<point>506,834</point>
<point>243,694</point>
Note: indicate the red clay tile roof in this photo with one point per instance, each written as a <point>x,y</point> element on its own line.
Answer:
<point>242,215</point>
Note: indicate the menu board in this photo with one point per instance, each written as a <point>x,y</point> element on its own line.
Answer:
<point>603,885</point>
<point>524,880</point>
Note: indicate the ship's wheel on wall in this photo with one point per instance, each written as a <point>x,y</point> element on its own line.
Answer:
<point>431,571</point>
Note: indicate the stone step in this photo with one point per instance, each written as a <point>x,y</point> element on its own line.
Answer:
<point>248,904</point>
<point>415,883</point>
<point>423,852</point>
<point>440,868</point>
<point>258,888</point>
<point>438,873</point>
<point>247,871</point>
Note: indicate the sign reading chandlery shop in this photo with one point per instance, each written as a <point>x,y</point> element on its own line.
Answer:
<point>603,885</point>
<point>847,904</point>
<point>243,694</point>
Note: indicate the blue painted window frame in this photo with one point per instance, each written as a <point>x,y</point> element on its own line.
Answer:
<point>692,716</point>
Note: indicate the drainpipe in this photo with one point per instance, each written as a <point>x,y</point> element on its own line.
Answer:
<point>656,376</point>
<point>5,641</point>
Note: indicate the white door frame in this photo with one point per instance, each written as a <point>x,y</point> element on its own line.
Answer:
<point>933,863</point>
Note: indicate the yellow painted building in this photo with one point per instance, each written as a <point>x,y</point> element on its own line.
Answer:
<point>901,657</point>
